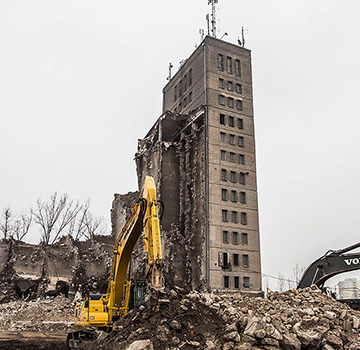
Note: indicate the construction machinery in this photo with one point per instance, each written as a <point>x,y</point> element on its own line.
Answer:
<point>99,311</point>
<point>332,263</point>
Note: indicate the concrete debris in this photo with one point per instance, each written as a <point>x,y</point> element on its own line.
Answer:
<point>45,315</point>
<point>293,320</point>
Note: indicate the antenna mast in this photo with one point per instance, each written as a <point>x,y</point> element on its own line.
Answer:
<point>213,16</point>
<point>169,77</point>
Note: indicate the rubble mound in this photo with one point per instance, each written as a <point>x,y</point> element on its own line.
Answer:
<point>293,320</point>
<point>46,315</point>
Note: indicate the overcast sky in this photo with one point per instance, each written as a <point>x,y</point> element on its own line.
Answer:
<point>81,82</point>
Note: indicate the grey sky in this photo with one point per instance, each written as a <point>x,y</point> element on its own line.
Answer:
<point>81,81</point>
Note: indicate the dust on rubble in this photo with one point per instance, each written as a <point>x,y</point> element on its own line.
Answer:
<point>293,320</point>
<point>43,314</point>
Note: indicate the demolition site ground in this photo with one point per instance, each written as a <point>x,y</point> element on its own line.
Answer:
<point>176,320</point>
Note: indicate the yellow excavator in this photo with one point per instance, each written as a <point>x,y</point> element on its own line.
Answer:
<point>100,311</point>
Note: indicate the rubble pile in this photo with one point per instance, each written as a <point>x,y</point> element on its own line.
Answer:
<point>47,314</point>
<point>293,320</point>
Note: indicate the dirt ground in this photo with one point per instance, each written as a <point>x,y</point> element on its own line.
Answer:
<point>31,341</point>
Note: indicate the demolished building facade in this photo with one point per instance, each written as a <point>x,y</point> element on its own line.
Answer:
<point>201,152</point>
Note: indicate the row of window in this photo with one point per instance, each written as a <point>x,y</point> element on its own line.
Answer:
<point>246,282</point>
<point>233,176</point>
<point>232,139</point>
<point>233,196</point>
<point>229,65</point>
<point>231,121</point>
<point>233,216</point>
<point>183,85</point>
<point>187,99</point>
<point>232,157</point>
<point>235,237</point>
<point>230,85</point>
<point>230,102</point>
<point>224,260</point>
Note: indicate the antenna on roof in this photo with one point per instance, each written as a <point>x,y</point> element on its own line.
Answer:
<point>208,24</point>
<point>213,16</point>
<point>242,41</point>
<point>169,77</point>
<point>201,32</point>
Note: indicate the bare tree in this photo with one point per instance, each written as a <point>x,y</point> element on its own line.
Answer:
<point>22,226</point>
<point>77,228</point>
<point>6,227</point>
<point>55,216</point>
<point>298,272</point>
<point>281,282</point>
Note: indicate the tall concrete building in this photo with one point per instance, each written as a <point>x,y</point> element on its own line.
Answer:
<point>202,153</point>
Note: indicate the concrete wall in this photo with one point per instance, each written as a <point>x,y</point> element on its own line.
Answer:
<point>174,154</point>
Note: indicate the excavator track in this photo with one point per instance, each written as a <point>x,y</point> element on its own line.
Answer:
<point>78,340</point>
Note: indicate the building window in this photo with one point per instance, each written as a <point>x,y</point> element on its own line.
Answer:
<point>244,239</point>
<point>242,178</point>
<point>239,88</point>
<point>232,157</point>
<point>236,282</point>
<point>223,155</point>
<point>221,62</point>
<point>223,175</point>
<point>241,141</point>
<point>221,83</point>
<point>223,194</point>
<point>222,119</point>
<point>229,65</point>
<point>239,105</point>
<point>180,106</point>
<point>230,86</point>
<point>232,139</point>
<point>185,82</point>
<point>231,121</point>
<point>236,259</point>
<point>234,196</point>
<point>241,159</point>
<point>231,102</point>
<point>223,259</point>
<point>175,93</point>
<point>235,236</point>
<point>222,100</point>
<point>243,218</point>
<point>234,216</point>
<point>246,281</point>
<point>222,137</point>
<point>225,237</point>
<point>226,281</point>
<point>180,88</point>
<point>190,77</point>
<point>245,260</point>
<point>190,96</point>
<point>224,215</point>
<point>240,123</point>
<point>242,197</point>
<point>237,68</point>
<point>185,102</point>
<point>233,176</point>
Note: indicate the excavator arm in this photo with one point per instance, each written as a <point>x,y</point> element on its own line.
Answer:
<point>100,311</point>
<point>144,221</point>
<point>330,264</point>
